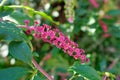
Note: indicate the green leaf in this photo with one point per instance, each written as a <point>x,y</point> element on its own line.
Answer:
<point>5,11</point>
<point>21,51</point>
<point>54,51</point>
<point>13,73</point>
<point>9,32</point>
<point>20,17</point>
<point>37,78</point>
<point>45,47</point>
<point>114,12</point>
<point>115,31</point>
<point>85,71</point>
<point>56,62</point>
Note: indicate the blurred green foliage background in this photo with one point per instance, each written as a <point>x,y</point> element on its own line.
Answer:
<point>86,30</point>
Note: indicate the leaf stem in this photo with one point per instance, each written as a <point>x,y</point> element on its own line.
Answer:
<point>41,70</point>
<point>3,2</point>
<point>44,15</point>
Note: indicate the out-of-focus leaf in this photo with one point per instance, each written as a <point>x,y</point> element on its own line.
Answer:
<point>37,78</point>
<point>77,25</point>
<point>78,78</point>
<point>2,37</point>
<point>85,71</point>
<point>109,21</point>
<point>81,12</point>
<point>40,76</point>
<point>21,51</point>
<point>20,17</point>
<point>35,54</point>
<point>103,65</point>
<point>13,73</point>
<point>54,51</point>
<point>4,11</point>
<point>57,62</point>
<point>114,12</point>
<point>9,32</point>
<point>115,31</point>
<point>45,47</point>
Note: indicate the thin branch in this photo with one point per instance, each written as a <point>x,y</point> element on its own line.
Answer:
<point>41,70</point>
<point>114,62</point>
<point>104,77</point>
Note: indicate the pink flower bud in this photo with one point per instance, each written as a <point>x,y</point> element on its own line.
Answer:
<point>36,22</point>
<point>28,31</point>
<point>70,19</point>
<point>26,22</point>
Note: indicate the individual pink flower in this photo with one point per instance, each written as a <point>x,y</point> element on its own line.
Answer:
<point>94,3</point>
<point>46,27</point>
<point>28,31</point>
<point>78,52</point>
<point>26,22</point>
<point>51,34</point>
<point>70,19</point>
<point>39,29</point>
<point>44,37</point>
<point>83,58</point>
<point>70,51</point>
<point>36,35</point>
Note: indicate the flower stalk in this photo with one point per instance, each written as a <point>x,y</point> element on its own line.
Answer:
<point>41,70</point>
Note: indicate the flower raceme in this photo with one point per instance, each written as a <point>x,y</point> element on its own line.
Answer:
<point>56,37</point>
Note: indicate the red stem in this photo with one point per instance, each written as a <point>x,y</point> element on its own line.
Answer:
<point>41,70</point>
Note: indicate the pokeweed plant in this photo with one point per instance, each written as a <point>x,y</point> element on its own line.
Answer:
<point>21,48</point>
<point>19,36</point>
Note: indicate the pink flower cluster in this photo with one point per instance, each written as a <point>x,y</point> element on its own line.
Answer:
<point>56,37</point>
<point>94,3</point>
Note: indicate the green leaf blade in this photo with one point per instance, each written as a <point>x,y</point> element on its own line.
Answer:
<point>11,32</point>
<point>114,12</point>
<point>4,11</point>
<point>37,78</point>
<point>13,73</point>
<point>86,71</point>
<point>21,51</point>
